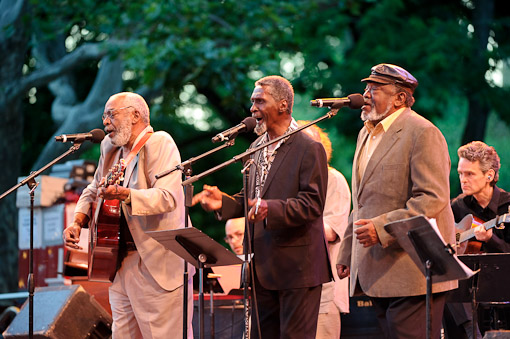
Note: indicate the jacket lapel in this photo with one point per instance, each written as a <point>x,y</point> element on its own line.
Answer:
<point>252,175</point>
<point>278,160</point>
<point>129,169</point>
<point>355,172</point>
<point>388,140</point>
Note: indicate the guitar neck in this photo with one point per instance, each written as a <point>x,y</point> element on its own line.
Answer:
<point>466,235</point>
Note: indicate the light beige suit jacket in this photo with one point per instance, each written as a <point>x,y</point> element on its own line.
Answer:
<point>156,204</point>
<point>407,175</point>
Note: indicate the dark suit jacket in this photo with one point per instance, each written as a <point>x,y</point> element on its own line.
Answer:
<point>289,246</point>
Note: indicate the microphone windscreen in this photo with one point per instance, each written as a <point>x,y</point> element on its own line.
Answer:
<point>97,135</point>
<point>356,101</point>
<point>250,123</point>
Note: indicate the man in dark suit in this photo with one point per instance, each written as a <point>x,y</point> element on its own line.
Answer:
<point>401,169</point>
<point>287,191</point>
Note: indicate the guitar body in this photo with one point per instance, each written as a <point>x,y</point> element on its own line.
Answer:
<point>104,231</point>
<point>104,241</point>
<point>470,246</point>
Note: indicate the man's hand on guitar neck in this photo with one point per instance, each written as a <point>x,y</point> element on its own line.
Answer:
<point>72,232</point>
<point>114,192</point>
<point>481,234</point>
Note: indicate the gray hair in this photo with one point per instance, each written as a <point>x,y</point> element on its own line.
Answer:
<point>279,88</point>
<point>409,102</point>
<point>485,154</point>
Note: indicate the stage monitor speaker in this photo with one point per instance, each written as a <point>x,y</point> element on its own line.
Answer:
<point>361,321</point>
<point>62,312</point>
<point>497,334</point>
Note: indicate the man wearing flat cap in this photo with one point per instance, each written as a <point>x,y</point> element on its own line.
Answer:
<point>401,169</point>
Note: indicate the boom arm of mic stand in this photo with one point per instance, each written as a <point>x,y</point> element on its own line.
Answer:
<point>182,166</point>
<point>250,151</point>
<point>32,175</point>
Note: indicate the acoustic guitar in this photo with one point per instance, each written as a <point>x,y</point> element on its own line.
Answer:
<point>465,231</point>
<point>104,230</point>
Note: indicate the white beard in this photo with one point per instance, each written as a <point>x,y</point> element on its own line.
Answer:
<point>260,128</point>
<point>373,115</point>
<point>122,134</point>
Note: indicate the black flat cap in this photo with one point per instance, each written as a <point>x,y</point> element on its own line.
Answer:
<point>391,74</point>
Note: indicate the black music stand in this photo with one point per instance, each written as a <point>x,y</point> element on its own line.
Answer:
<point>491,283</point>
<point>199,249</point>
<point>211,280</point>
<point>430,253</point>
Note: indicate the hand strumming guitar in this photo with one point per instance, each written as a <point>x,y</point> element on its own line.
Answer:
<point>72,232</point>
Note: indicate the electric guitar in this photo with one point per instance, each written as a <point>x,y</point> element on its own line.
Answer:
<point>466,231</point>
<point>104,230</point>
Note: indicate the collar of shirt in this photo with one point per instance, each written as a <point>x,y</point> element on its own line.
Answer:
<point>386,122</point>
<point>492,206</point>
<point>488,212</point>
<point>494,203</point>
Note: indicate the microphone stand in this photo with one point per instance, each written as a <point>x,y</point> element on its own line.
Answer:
<point>32,185</point>
<point>250,151</point>
<point>185,168</point>
<point>188,195</point>
<point>245,281</point>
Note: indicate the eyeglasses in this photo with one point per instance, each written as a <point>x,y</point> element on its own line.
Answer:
<point>232,236</point>
<point>109,114</point>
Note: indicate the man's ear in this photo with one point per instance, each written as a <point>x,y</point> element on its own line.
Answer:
<point>136,117</point>
<point>283,106</point>
<point>400,99</point>
<point>490,175</point>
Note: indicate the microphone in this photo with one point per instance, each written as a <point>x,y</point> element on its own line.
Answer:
<point>96,136</point>
<point>247,125</point>
<point>354,101</point>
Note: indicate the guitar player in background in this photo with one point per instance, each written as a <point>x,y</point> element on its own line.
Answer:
<point>478,174</point>
<point>146,295</point>
<point>478,170</point>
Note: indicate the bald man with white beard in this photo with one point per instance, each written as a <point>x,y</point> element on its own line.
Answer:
<point>146,295</point>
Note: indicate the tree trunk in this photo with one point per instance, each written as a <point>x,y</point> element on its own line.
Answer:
<point>13,48</point>
<point>85,116</point>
